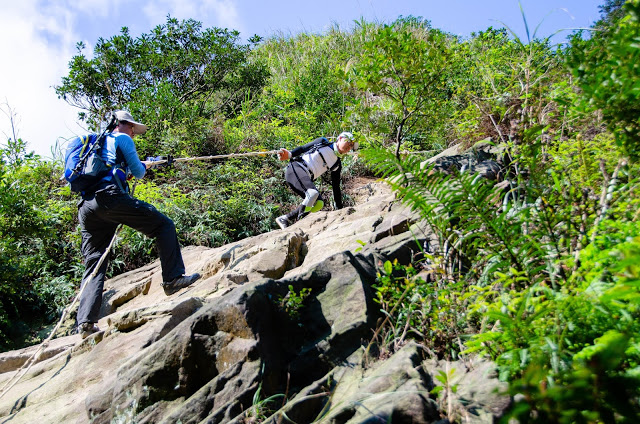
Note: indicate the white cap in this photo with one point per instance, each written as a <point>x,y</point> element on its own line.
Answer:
<point>346,134</point>
<point>138,128</point>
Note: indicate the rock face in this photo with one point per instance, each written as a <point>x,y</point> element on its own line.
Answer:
<point>277,325</point>
<point>483,158</point>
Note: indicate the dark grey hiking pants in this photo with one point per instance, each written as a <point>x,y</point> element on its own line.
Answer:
<point>99,217</point>
<point>298,179</point>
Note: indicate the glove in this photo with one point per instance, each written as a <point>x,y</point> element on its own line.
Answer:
<point>284,154</point>
<point>169,160</point>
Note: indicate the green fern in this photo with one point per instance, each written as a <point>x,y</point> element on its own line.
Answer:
<point>466,213</point>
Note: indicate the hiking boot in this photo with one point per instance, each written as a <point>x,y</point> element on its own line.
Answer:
<point>283,221</point>
<point>170,287</point>
<point>86,329</point>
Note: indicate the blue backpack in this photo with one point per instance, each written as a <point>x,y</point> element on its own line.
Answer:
<point>83,164</point>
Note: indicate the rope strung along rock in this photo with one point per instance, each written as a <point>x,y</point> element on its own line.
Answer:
<point>36,355</point>
<point>270,152</point>
<point>22,371</point>
<point>231,155</point>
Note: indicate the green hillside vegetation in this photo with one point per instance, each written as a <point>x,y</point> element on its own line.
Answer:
<point>544,280</point>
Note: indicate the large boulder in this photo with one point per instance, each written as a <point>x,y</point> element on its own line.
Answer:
<point>210,365</point>
<point>470,390</point>
<point>483,158</point>
<point>356,391</point>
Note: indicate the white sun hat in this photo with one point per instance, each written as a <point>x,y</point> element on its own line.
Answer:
<point>138,128</point>
<point>349,136</point>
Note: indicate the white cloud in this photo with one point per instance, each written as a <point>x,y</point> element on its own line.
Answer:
<point>100,8</point>
<point>157,10</point>
<point>37,47</point>
<point>220,13</point>
<point>226,13</point>
<point>39,39</point>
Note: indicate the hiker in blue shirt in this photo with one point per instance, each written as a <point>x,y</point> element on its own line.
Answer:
<point>309,162</point>
<point>107,204</point>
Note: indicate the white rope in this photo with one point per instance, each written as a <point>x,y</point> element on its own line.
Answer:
<point>22,371</point>
<point>270,152</point>
<point>231,155</point>
<point>36,355</point>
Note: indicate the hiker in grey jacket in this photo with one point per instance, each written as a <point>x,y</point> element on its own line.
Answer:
<point>108,204</point>
<point>309,162</point>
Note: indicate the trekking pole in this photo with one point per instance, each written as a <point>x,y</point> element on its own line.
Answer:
<point>36,355</point>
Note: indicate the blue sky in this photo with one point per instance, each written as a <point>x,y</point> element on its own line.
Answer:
<point>39,38</point>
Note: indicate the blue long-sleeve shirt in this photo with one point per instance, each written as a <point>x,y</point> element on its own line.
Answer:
<point>119,153</point>
<point>115,142</point>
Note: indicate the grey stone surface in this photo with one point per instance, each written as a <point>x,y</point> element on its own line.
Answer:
<point>202,354</point>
